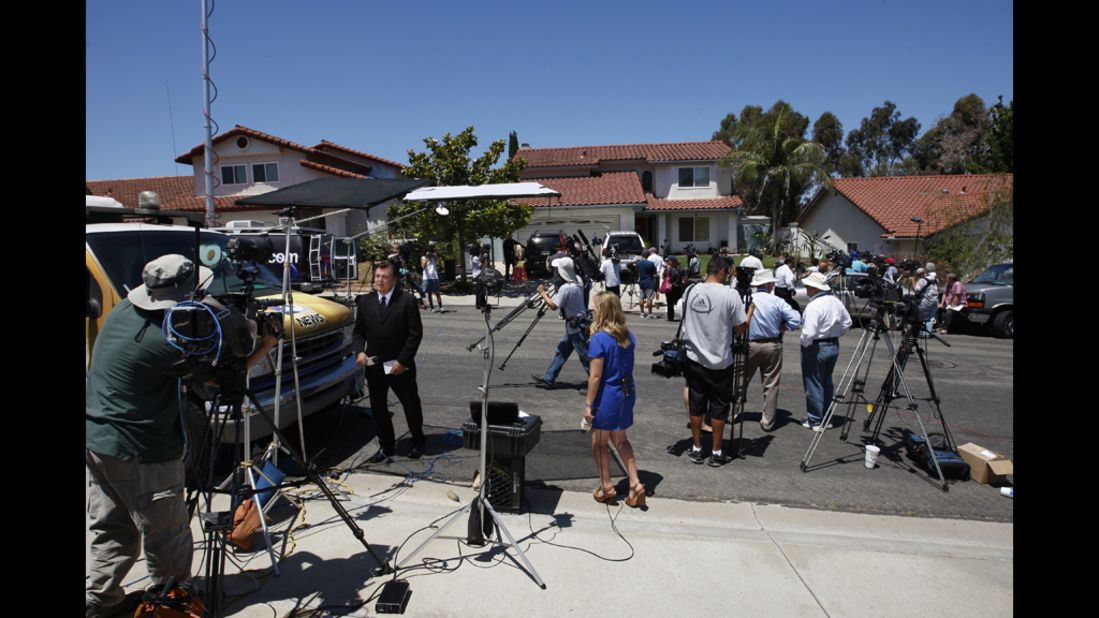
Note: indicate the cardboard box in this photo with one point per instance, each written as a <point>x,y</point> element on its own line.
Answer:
<point>985,466</point>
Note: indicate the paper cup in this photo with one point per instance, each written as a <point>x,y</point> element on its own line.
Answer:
<point>872,453</point>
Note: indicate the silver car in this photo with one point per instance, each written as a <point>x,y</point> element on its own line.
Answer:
<point>843,289</point>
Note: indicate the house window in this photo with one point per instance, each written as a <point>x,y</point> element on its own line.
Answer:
<point>694,177</point>
<point>647,182</point>
<point>694,229</point>
<point>265,172</point>
<point>852,246</point>
<point>234,174</point>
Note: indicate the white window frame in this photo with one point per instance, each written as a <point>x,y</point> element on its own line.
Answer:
<point>266,179</point>
<point>694,177</point>
<point>243,166</point>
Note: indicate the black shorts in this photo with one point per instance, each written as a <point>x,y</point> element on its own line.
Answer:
<point>710,391</point>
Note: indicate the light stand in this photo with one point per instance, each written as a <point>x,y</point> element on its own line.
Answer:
<point>916,249</point>
<point>477,515</point>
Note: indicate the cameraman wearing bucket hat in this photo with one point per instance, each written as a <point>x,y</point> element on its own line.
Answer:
<point>569,299</point>
<point>134,442</point>
<point>824,321</point>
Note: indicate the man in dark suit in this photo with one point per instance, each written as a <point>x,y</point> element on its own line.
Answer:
<point>387,333</point>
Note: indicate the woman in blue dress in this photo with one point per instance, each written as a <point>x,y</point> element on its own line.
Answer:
<point>611,396</point>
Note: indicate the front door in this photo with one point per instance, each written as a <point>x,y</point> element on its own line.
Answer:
<point>644,226</point>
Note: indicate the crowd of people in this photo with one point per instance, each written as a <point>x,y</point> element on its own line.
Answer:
<point>135,443</point>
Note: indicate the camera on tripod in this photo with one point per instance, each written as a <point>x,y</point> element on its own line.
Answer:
<point>674,360</point>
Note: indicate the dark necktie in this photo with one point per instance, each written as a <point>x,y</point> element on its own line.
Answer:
<point>383,305</point>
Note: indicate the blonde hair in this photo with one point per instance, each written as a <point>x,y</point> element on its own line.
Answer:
<point>608,316</point>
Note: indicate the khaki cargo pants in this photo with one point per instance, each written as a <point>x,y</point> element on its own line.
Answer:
<point>134,506</point>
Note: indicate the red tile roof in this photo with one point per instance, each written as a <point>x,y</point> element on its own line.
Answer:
<point>176,193</point>
<point>610,188</point>
<point>941,201</point>
<point>592,155</point>
<point>723,202</point>
<point>328,169</point>
<point>326,145</point>
<point>324,148</point>
<point>240,130</point>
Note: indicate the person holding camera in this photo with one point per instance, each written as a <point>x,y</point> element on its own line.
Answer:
<point>387,334</point>
<point>784,282</point>
<point>612,272</point>
<point>611,396</point>
<point>771,317</point>
<point>677,282</point>
<point>824,321</point>
<point>752,260</point>
<point>429,263</point>
<point>134,437</point>
<point>926,290</point>
<point>711,312</point>
<point>568,300</point>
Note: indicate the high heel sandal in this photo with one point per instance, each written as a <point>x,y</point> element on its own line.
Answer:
<point>604,497</point>
<point>636,499</point>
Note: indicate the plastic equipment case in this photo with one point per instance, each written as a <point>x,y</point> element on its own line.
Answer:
<point>508,446</point>
<point>505,441</point>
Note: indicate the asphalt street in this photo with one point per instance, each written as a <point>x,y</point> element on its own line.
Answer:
<point>973,378</point>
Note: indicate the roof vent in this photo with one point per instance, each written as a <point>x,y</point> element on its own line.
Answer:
<point>242,142</point>
<point>945,190</point>
<point>524,145</point>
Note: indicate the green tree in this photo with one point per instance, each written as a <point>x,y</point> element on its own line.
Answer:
<point>513,144</point>
<point>734,129</point>
<point>773,165</point>
<point>880,144</point>
<point>828,132</point>
<point>1000,156</point>
<point>448,162</point>
<point>968,245</point>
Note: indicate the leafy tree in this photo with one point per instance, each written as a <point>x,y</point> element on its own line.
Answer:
<point>1000,156</point>
<point>879,146</point>
<point>513,144</point>
<point>828,132</point>
<point>734,129</point>
<point>967,247</point>
<point>448,163</point>
<point>773,165</point>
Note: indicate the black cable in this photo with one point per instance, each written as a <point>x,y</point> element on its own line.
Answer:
<point>614,527</point>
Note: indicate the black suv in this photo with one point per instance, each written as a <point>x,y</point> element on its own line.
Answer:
<point>540,246</point>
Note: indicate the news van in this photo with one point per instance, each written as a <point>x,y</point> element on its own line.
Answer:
<point>116,249</point>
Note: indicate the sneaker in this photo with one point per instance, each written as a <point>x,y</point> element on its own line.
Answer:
<point>541,382</point>
<point>695,455</point>
<point>718,460</point>
<point>439,310</point>
<point>807,425</point>
<point>379,457</point>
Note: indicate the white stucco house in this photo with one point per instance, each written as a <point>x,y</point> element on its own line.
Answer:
<point>886,215</point>
<point>673,192</point>
<point>249,162</point>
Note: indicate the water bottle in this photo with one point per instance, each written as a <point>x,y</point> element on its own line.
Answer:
<point>1008,492</point>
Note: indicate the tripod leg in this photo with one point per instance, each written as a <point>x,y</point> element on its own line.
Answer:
<point>534,323</point>
<point>511,541</point>
<point>845,384</point>
<point>262,518</point>
<point>321,484</point>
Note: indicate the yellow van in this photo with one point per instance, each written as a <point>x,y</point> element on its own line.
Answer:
<point>116,251</point>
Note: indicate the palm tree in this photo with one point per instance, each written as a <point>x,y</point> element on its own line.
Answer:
<point>773,168</point>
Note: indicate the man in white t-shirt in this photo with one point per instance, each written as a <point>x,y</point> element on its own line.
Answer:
<point>429,262</point>
<point>612,273</point>
<point>655,258</point>
<point>824,321</point>
<point>711,312</point>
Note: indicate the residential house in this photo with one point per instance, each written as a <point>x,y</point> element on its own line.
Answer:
<point>250,162</point>
<point>674,193</point>
<point>886,215</point>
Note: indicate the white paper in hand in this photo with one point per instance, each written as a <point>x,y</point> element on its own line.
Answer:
<point>388,366</point>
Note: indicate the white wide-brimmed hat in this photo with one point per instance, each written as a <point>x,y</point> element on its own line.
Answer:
<point>566,268</point>
<point>168,280</point>
<point>817,281</point>
<point>762,276</point>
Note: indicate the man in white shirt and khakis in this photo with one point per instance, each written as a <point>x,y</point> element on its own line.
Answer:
<point>825,320</point>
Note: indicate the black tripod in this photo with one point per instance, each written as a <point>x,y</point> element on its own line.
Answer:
<point>533,301</point>
<point>894,386</point>
<point>217,525</point>
<point>741,349</point>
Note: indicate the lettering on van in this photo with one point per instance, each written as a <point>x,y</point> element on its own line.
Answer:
<point>280,258</point>
<point>314,319</point>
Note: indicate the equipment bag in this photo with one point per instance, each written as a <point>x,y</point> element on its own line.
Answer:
<point>952,465</point>
<point>178,602</point>
<point>245,522</point>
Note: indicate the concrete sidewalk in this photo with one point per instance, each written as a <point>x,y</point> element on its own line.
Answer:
<point>672,558</point>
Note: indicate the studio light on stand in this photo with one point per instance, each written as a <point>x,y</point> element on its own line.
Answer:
<point>919,222</point>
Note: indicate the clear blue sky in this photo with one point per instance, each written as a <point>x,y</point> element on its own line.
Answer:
<point>380,76</point>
